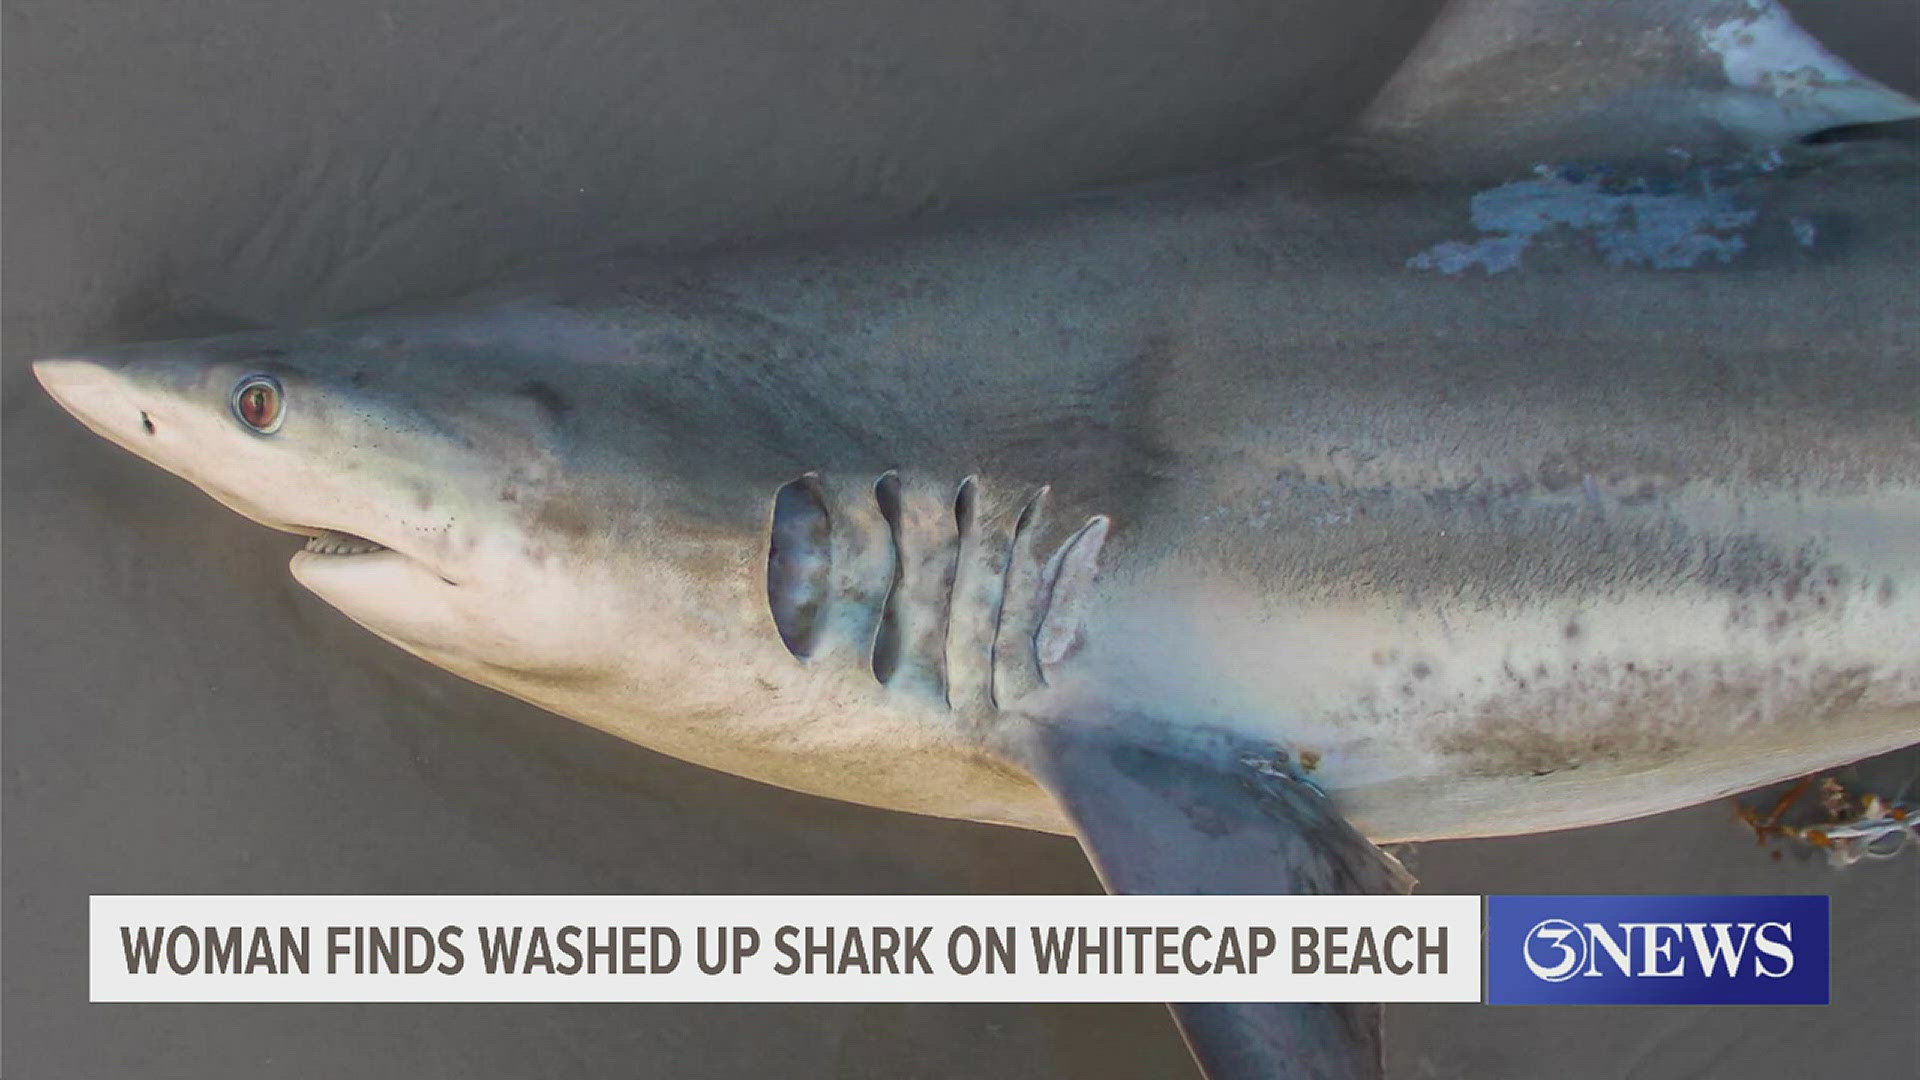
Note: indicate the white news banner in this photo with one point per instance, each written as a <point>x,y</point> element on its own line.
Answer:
<point>784,948</point>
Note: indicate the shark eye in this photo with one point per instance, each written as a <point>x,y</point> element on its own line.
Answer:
<point>257,402</point>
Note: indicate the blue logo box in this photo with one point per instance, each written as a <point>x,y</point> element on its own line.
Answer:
<point>1657,950</point>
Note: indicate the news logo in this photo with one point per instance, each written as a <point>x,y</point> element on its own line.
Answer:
<point>1657,950</point>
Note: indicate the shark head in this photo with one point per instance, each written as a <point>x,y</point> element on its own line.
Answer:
<point>421,460</point>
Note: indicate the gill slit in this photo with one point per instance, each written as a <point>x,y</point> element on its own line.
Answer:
<point>886,635</point>
<point>799,562</point>
<point>1022,532</point>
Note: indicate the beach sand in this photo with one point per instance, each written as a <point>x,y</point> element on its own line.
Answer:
<point>181,717</point>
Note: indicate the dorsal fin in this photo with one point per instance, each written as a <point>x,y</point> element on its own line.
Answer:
<point>1499,84</point>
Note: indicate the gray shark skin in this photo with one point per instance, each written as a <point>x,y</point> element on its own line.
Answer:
<point>1570,530</point>
<point>1226,524</point>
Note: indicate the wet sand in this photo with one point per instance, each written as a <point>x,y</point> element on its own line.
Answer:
<point>181,717</point>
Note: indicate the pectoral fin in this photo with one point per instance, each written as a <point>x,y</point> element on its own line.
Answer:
<point>1157,821</point>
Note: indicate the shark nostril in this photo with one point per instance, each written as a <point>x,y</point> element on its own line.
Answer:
<point>146,421</point>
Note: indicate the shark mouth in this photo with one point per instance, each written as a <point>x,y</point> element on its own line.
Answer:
<point>332,542</point>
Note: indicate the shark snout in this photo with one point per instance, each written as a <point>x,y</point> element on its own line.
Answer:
<point>123,402</point>
<point>69,380</point>
<point>99,396</point>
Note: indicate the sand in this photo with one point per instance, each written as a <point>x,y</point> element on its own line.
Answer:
<point>181,717</point>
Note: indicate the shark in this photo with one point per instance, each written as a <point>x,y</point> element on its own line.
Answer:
<point>1402,488</point>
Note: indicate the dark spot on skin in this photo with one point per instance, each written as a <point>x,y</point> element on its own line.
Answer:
<point>550,400</point>
<point>1207,821</point>
<point>1886,591</point>
<point>1540,671</point>
<point>1421,669</point>
<point>358,378</point>
<point>1573,629</point>
<point>570,517</point>
<point>146,422</point>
